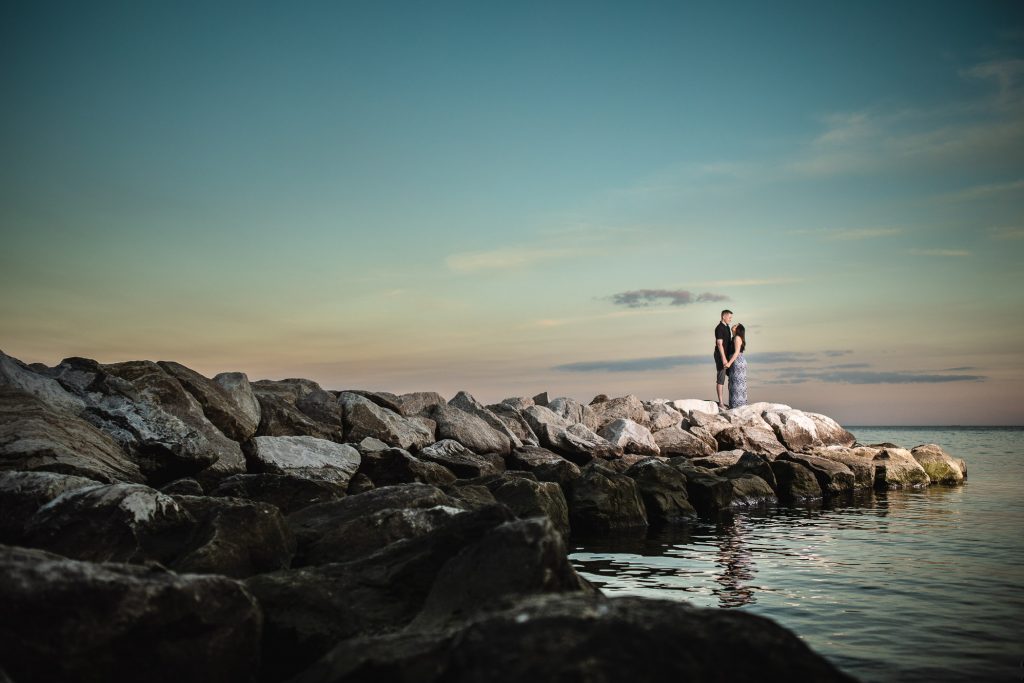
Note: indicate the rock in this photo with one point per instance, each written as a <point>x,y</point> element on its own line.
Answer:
<point>384,399</point>
<point>218,405</point>
<point>463,462</point>
<point>574,441</point>
<point>630,437</point>
<point>896,468</point>
<point>940,466</point>
<point>859,460</point>
<point>305,457</point>
<point>239,391</point>
<point>600,398</point>
<point>749,433</point>
<point>527,497</point>
<point>750,490</point>
<point>23,493</point>
<point>626,407</point>
<point>16,375</point>
<point>285,492</point>
<point>544,464</point>
<point>796,431</point>
<point>830,432</point>
<point>469,495</point>
<point>281,417</point>
<point>662,416</point>
<point>35,437</point>
<point>396,466</point>
<point>364,418</point>
<point>183,487</point>
<point>663,490</point>
<point>751,463</point>
<point>236,538</point>
<point>689,405</point>
<point>541,399</point>
<point>583,637</point>
<point>796,483</point>
<point>360,483</point>
<point>465,401</point>
<point>290,390</point>
<point>674,441</point>
<point>321,406</point>
<point>755,411</point>
<point>112,522</point>
<point>469,430</point>
<point>707,492</point>
<point>57,622</point>
<point>515,423</point>
<point>420,402</point>
<point>723,459</point>
<point>519,403</point>
<point>833,477</point>
<point>371,445</point>
<point>542,420</point>
<point>603,500</point>
<point>572,411</point>
<point>357,526</point>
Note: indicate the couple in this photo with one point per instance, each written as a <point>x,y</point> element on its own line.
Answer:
<point>729,361</point>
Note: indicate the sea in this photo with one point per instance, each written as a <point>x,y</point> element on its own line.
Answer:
<point>905,585</point>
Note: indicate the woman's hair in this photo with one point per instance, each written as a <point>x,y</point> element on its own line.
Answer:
<point>742,333</point>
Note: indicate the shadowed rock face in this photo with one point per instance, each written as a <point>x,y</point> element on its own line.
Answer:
<point>285,492</point>
<point>663,490</point>
<point>397,466</point>
<point>602,500</point>
<point>795,482</point>
<point>220,406</point>
<point>23,493</point>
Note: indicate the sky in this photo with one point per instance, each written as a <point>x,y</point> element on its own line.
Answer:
<point>510,198</point>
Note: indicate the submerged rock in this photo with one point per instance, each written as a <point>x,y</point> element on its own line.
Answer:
<point>897,468</point>
<point>939,465</point>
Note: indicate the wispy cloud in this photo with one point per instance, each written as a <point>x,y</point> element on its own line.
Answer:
<point>847,374</point>
<point>675,297</point>
<point>668,362</point>
<point>985,191</point>
<point>505,258</point>
<point>951,253</point>
<point>836,353</point>
<point>1007,233</point>
<point>848,234</point>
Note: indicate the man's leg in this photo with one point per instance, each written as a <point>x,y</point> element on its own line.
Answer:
<point>720,386</point>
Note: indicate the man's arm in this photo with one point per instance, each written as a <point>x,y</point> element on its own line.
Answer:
<point>721,350</point>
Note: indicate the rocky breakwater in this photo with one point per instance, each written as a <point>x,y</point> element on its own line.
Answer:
<point>161,525</point>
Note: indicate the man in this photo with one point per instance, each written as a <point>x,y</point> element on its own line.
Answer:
<point>723,351</point>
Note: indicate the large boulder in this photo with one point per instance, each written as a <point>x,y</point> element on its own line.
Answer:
<point>219,406</point>
<point>716,460</point>
<point>711,423</point>
<point>305,457</point>
<point>572,411</point>
<point>859,460</point>
<point>515,422</point>
<point>528,497</point>
<point>284,491</point>
<point>750,490</point>
<point>833,477</point>
<point>796,431</point>
<point>751,463</point>
<point>63,620</point>
<point>630,436</point>
<point>940,466</point>
<point>583,637</point>
<point>572,440</point>
<point>23,493</point>
<point>795,483</point>
<point>465,401</point>
<point>281,415</point>
<point>673,441</point>
<point>239,391</point>
<point>16,375</point>
<point>690,405</point>
<point>831,432</point>
<point>420,402</point>
<point>706,491</point>
<point>364,418</point>
<point>469,430</point>
<point>544,464</point>
<point>462,461</point>
<point>896,468</point>
<point>749,432</point>
<point>662,416</point>
<point>663,490</point>
<point>34,436</point>
<point>625,407</point>
<point>397,466</point>
<point>602,500</point>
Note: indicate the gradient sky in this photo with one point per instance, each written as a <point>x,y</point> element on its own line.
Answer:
<point>509,198</point>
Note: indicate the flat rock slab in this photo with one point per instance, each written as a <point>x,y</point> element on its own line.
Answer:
<point>306,457</point>
<point>461,460</point>
<point>673,441</point>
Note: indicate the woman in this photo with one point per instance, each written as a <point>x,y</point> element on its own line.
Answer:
<point>738,365</point>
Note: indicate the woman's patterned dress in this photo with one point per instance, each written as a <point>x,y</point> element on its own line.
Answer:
<point>738,383</point>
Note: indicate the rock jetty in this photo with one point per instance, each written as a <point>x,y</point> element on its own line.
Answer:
<point>161,525</point>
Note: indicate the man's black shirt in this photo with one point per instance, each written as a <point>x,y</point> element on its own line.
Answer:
<point>725,334</point>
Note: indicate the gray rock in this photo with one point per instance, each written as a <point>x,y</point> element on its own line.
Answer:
<point>795,482</point>
<point>896,468</point>
<point>218,405</point>
<point>518,403</point>
<point>420,402</point>
<point>283,491</point>
<point>723,459</point>
<point>371,445</point>
<point>712,423</point>
<point>833,477</point>
<point>572,411</point>
<point>463,462</point>
<point>750,490</point>
<point>544,464</point>
<point>630,436</point>
<point>831,432</point>
<point>397,466</point>
<point>183,487</point>
<point>470,495</point>
<point>239,391</point>
<point>603,500</point>
<point>515,422</point>
<point>57,622</point>
<point>751,463</point>
<point>280,416</point>
<point>541,399</point>
<point>940,466</point>
<point>23,493</point>
<point>706,491</point>
<point>527,497</point>
<point>16,375</point>
<point>305,457</point>
<point>469,430</point>
<point>364,418</point>
<point>663,416</point>
<point>859,460</point>
<point>465,401</point>
<point>796,431</point>
<point>384,399</point>
<point>663,490</point>
<point>749,433</point>
<point>674,441</point>
<point>626,407</point>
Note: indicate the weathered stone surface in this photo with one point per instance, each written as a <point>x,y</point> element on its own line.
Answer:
<point>469,430</point>
<point>749,432</point>
<point>796,431</point>
<point>544,464</point>
<point>16,375</point>
<point>239,391</point>
<point>420,402</point>
<point>360,483</point>
<point>518,403</point>
<point>364,418</point>
<point>358,526</point>
<point>690,405</point>
<point>465,401</point>
<point>662,416</point>
<point>236,538</point>
<point>218,405</point>
<point>750,490</point>
<point>541,399</point>
<point>723,459</point>
<point>397,466</point>
<point>305,457</point>
<point>751,463</point>
<point>712,423</point>
<point>674,441</point>
<point>663,490</point>
<point>279,415</point>
<point>321,406</point>
<point>859,460</point>
<point>625,407</point>
<point>940,466</point>
<point>183,487</point>
<point>370,445</point>
<point>572,411</point>
<point>602,500</point>
<point>384,399</point>
<point>574,441</point>
<point>584,637</point>
<point>285,492</point>
<point>23,493</point>
<point>830,432</point>
<point>470,495</point>
<point>896,468</point>
<point>706,491</point>
<point>795,482</point>
<point>515,423</point>
<point>527,497</point>
<point>57,623</point>
<point>630,436</point>
<point>463,462</point>
<point>833,477</point>
<point>34,436</point>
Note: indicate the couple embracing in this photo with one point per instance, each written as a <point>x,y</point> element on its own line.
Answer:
<point>730,342</point>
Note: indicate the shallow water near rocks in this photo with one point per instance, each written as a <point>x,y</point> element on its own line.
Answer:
<point>897,585</point>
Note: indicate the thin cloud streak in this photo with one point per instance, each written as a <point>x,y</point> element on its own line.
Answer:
<point>676,297</point>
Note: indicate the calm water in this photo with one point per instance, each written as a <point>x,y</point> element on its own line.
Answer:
<point>898,585</point>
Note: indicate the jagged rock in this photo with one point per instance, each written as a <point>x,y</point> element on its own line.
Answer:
<point>236,538</point>
<point>796,431</point>
<point>219,406</point>
<point>183,487</point>
<point>384,399</point>
<point>723,459</point>
<point>663,490</point>
<point>469,430</point>
<point>542,420</point>
<point>57,623</point>
<point>706,491</point>
<point>751,463</point>
<point>16,375</point>
<point>630,436</point>
<point>291,389</point>
<point>674,441</point>
<point>572,411</point>
<point>541,399</point>
<point>239,391</point>
<point>420,402</point>
<point>662,416</point>
<point>896,468</point>
<point>357,526</point>
<point>795,482</point>
<point>34,436</point>
<point>939,465</point>
<point>371,445</point>
<point>112,522</point>
<point>626,407</point>
<point>517,403</point>
<point>527,497</point>
<point>515,422</point>
<point>751,434</point>
<point>754,411</point>
<point>859,460</point>
<point>364,418</point>
<point>279,416</point>
<point>544,464</point>
<point>602,500</point>
<point>750,490</point>
<point>285,492</point>
<point>579,444</point>
<point>397,466</point>
<point>690,405</point>
<point>583,637</point>
<point>830,432</point>
<point>600,398</point>
<point>463,462</point>
<point>321,406</point>
<point>833,477</point>
<point>23,493</point>
<point>465,401</point>
<point>305,457</point>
